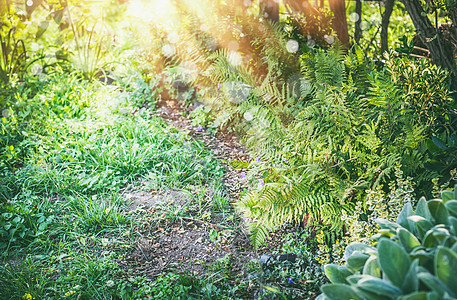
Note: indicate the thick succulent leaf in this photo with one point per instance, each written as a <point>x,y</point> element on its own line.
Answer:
<point>359,247</point>
<point>376,288</point>
<point>453,222</point>
<point>454,247</point>
<point>423,255</point>
<point>414,296</point>
<point>433,283</point>
<point>423,225</point>
<point>433,296</point>
<point>451,206</point>
<point>438,211</point>
<point>394,261</point>
<point>423,211</point>
<point>385,224</point>
<point>435,236</point>
<point>372,268</point>
<point>387,233</point>
<point>354,279</point>
<point>356,261</point>
<point>407,239</point>
<point>336,274</point>
<point>449,195</point>
<point>338,291</point>
<point>446,268</point>
<point>411,282</point>
<point>402,219</point>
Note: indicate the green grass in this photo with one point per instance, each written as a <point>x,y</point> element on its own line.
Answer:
<point>63,217</point>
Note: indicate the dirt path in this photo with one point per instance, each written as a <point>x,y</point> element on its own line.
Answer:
<point>189,244</point>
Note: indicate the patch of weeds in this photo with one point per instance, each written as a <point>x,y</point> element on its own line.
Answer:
<point>289,279</point>
<point>220,202</point>
<point>223,267</point>
<point>173,211</point>
<point>19,279</point>
<point>201,116</point>
<point>180,286</point>
<point>92,214</point>
<point>24,219</point>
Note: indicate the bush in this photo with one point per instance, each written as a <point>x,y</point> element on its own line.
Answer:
<point>415,257</point>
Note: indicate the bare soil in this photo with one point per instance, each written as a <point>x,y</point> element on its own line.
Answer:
<point>191,245</point>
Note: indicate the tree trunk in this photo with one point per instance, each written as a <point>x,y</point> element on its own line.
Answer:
<point>340,23</point>
<point>441,49</point>
<point>385,19</point>
<point>358,29</point>
<point>271,10</point>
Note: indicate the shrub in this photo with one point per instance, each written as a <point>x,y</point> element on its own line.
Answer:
<point>414,258</point>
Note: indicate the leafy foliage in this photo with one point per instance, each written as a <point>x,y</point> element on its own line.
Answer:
<point>13,56</point>
<point>414,257</point>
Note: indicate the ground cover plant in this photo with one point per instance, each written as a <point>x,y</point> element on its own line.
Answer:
<point>121,177</point>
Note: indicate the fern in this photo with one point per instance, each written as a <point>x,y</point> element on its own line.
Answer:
<point>325,67</point>
<point>279,203</point>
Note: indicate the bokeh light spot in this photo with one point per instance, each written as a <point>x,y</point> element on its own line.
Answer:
<point>173,37</point>
<point>354,17</point>
<point>168,50</point>
<point>292,46</point>
<point>248,116</point>
<point>364,25</point>
<point>234,58</point>
<point>236,91</point>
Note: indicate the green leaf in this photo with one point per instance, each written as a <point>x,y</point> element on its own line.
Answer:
<point>394,261</point>
<point>402,219</point>
<point>58,15</point>
<point>422,255</point>
<point>451,205</point>
<point>411,282</point>
<point>407,239</point>
<point>438,211</point>
<point>385,224</point>
<point>372,268</point>
<point>432,147</point>
<point>446,268</point>
<point>42,28</point>
<point>453,222</point>
<point>376,288</point>
<point>423,225</point>
<point>435,236</point>
<point>414,296</point>
<point>447,195</point>
<point>422,209</point>
<point>356,261</point>
<point>433,296</point>
<point>338,291</point>
<point>433,283</point>
<point>335,275</point>
<point>439,143</point>
<point>359,247</point>
<point>354,279</point>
